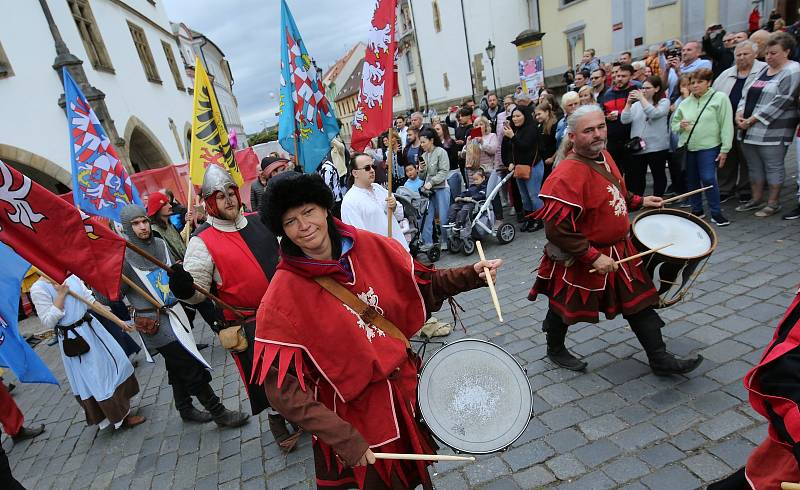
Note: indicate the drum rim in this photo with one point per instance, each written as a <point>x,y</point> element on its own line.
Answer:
<point>677,212</point>
<point>527,381</point>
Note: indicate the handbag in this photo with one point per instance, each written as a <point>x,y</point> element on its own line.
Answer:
<point>635,144</point>
<point>233,338</point>
<point>366,312</point>
<point>147,325</point>
<point>76,346</point>
<point>522,171</point>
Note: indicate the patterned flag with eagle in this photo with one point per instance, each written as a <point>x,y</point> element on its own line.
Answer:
<point>210,144</point>
<point>100,184</point>
<point>378,78</point>
<point>306,116</point>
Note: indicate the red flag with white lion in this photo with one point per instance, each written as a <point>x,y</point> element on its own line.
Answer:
<point>56,237</point>
<point>378,81</point>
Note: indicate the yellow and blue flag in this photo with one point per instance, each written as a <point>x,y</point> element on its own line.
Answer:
<point>15,353</point>
<point>100,184</point>
<point>307,122</point>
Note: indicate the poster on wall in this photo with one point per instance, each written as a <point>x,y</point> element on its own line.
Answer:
<point>531,75</point>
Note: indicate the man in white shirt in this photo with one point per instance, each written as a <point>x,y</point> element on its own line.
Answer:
<point>690,61</point>
<point>367,204</point>
<point>400,128</point>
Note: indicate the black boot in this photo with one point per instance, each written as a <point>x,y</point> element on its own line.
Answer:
<point>535,225</point>
<point>183,403</point>
<point>557,352</point>
<point>222,416</point>
<point>647,327</point>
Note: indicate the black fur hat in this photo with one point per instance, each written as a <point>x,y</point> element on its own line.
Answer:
<point>288,190</point>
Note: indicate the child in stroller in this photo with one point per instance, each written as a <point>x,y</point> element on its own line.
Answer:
<point>415,209</point>
<point>460,211</point>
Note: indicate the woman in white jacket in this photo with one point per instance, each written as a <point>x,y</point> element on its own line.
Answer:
<point>647,112</point>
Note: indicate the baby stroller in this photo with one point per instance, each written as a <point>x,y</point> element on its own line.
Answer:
<point>481,224</point>
<point>415,209</point>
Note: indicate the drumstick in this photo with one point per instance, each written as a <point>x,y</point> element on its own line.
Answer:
<point>626,259</point>
<point>690,193</point>
<point>489,281</point>
<point>423,457</point>
<point>790,486</point>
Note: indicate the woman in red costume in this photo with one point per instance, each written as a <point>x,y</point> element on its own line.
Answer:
<point>330,370</point>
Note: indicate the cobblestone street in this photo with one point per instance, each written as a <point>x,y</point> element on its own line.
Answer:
<point>614,426</point>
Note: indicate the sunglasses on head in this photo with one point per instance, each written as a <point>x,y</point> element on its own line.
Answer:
<point>368,168</point>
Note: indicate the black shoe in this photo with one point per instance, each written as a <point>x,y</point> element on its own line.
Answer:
<point>563,358</point>
<point>11,387</point>
<point>666,364</point>
<point>725,197</point>
<point>201,346</point>
<point>524,226</point>
<point>699,214</point>
<point>28,433</point>
<point>231,418</point>
<point>535,225</point>
<point>788,216</point>
<point>195,415</point>
<point>744,198</point>
<point>720,220</point>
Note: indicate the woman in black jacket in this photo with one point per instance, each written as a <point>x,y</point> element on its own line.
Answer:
<point>546,121</point>
<point>522,132</point>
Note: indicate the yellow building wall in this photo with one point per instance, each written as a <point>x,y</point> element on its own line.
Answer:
<point>596,14</point>
<point>712,13</point>
<point>664,23</point>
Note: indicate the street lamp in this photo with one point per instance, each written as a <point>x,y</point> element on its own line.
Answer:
<point>490,53</point>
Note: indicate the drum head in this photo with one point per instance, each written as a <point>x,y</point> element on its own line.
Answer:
<point>474,396</point>
<point>688,238</point>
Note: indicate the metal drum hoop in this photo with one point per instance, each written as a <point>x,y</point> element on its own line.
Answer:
<point>424,408</point>
<point>681,214</point>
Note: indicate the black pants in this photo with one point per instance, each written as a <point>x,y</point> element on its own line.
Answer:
<point>677,172</point>
<point>636,173</point>
<point>7,480</point>
<point>620,154</point>
<point>645,319</point>
<point>183,369</point>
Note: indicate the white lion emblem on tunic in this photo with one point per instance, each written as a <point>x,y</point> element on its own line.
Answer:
<point>369,297</point>
<point>617,201</point>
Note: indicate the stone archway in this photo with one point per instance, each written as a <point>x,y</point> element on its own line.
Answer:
<point>44,172</point>
<point>145,152</point>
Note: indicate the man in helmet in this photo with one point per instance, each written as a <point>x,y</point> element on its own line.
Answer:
<point>236,254</point>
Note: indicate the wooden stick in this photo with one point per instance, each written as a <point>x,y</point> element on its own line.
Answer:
<point>141,291</point>
<point>197,288</point>
<point>187,227</point>
<point>627,259</point>
<point>490,282</point>
<point>389,172</point>
<point>690,193</point>
<point>423,457</point>
<point>790,486</point>
<point>95,308</point>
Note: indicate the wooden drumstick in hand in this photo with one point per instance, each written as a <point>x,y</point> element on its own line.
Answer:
<point>423,457</point>
<point>490,282</point>
<point>628,259</point>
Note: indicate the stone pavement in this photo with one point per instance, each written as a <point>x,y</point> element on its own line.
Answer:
<point>615,426</point>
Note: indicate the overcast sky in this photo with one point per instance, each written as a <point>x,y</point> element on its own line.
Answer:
<point>248,35</point>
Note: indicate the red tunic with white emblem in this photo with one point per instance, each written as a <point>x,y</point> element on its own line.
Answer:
<point>586,214</point>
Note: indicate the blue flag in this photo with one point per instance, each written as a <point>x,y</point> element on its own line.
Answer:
<point>307,121</point>
<point>15,353</point>
<point>100,183</point>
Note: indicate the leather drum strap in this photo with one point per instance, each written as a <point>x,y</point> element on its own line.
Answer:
<point>367,313</point>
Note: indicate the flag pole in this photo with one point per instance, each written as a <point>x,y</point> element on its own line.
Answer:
<point>92,306</point>
<point>390,171</point>
<point>197,288</point>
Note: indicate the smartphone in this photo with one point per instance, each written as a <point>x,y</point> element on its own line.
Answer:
<point>476,133</point>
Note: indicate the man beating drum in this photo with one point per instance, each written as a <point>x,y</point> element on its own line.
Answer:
<point>587,227</point>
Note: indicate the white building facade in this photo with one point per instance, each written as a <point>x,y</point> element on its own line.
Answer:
<point>128,53</point>
<point>195,45</point>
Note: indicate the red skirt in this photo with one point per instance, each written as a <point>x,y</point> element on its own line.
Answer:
<point>577,295</point>
<point>385,473</point>
<point>770,464</point>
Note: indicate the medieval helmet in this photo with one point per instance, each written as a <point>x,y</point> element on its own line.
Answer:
<point>216,179</point>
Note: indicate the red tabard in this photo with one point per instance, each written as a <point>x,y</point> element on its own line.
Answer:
<point>597,209</point>
<point>777,373</point>
<point>355,369</point>
<point>242,280</point>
